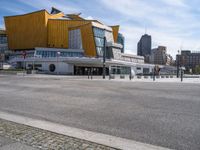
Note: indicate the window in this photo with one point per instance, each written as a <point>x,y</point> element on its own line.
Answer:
<point>53,54</point>
<point>99,32</point>
<point>3,39</point>
<point>75,39</point>
<point>99,40</point>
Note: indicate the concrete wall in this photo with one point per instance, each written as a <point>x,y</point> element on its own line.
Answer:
<point>60,68</point>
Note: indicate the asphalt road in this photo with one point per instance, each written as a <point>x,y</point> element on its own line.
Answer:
<point>163,114</point>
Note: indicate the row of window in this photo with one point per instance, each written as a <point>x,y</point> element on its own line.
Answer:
<point>2,49</point>
<point>3,39</point>
<point>50,54</point>
<point>120,70</point>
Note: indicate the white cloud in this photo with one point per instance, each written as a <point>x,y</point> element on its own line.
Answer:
<point>89,18</point>
<point>47,4</point>
<point>179,3</point>
<point>168,21</point>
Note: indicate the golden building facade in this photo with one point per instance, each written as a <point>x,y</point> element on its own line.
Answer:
<point>51,30</point>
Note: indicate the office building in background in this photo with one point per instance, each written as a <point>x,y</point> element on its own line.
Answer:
<point>144,45</point>
<point>159,56</point>
<point>188,59</point>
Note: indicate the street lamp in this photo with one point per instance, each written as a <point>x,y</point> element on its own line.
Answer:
<point>177,64</point>
<point>104,58</point>
<point>24,62</point>
<point>154,73</point>
<point>58,54</point>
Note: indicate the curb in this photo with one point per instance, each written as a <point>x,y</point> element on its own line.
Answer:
<point>103,139</point>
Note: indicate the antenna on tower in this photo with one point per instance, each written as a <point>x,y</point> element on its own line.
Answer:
<point>181,47</point>
<point>145,28</point>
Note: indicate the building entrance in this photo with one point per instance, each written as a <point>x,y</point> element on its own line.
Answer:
<point>96,71</point>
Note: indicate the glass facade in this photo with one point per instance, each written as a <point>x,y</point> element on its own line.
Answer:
<point>3,42</point>
<point>99,35</point>
<point>120,70</point>
<point>52,54</point>
<point>121,40</point>
<point>75,41</point>
<point>99,40</point>
<point>3,39</point>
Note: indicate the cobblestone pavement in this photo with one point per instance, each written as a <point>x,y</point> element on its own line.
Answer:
<point>45,140</point>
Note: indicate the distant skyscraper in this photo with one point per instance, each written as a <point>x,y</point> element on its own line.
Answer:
<point>144,46</point>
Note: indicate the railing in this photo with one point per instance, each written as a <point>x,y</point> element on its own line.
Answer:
<point>114,76</point>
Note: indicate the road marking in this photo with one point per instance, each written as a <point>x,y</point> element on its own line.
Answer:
<point>108,140</point>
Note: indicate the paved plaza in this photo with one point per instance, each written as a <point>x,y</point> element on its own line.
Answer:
<point>165,114</point>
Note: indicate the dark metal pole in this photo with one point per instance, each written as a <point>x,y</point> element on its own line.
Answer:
<point>104,58</point>
<point>88,71</point>
<point>154,72</point>
<point>181,75</point>
<point>91,73</point>
<point>177,63</point>
<point>24,67</point>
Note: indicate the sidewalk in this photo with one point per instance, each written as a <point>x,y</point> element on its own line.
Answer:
<point>14,136</point>
<point>44,135</point>
<point>8,144</point>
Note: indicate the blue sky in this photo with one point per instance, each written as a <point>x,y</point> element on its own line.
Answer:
<point>172,23</point>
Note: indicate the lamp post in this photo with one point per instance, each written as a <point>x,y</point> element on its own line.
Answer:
<point>154,73</point>
<point>1,59</point>
<point>181,74</point>
<point>104,58</point>
<point>58,54</point>
<point>130,75</point>
<point>177,64</point>
<point>24,63</point>
<point>33,64</point>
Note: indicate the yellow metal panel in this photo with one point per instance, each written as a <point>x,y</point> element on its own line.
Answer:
<point>41,29</point>
<point>115,32</point>
<point>26,31</point>
<point>58,34</point>
<point>88,40</point>
<point>29,30</point>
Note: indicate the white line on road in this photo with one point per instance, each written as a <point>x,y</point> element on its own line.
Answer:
<point>98,138</point>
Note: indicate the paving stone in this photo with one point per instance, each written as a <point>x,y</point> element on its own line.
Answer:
<point>5,141</point>
<point>17,146</point>
<point>42,139</point>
